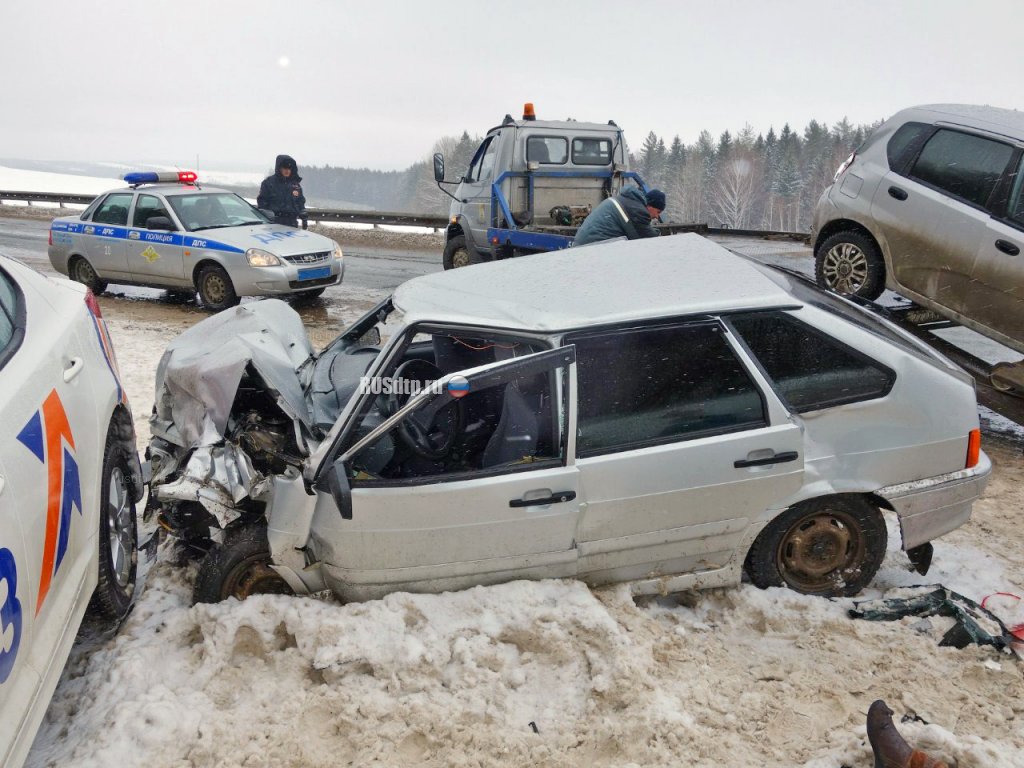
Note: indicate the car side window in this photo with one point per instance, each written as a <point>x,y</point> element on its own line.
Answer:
<point>645,386</point>
<point>475,172</point>
<point>902,143</point>
<point>547,150</point>
<point>962,164</point>
<point>147,206</point>
<point>9,298</point>
<point>809,369</point>
<point>591,151</point>
<point>114,209</point>
<point>1015,210</point>
<point>88,212</point>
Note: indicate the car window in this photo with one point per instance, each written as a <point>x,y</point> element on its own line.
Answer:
<point>809,369</point>
<point>514,422</point>
<point>964,165</point>
<point>591,151</point>
<point>547,150</point>
<point>1015,210</point>
<point>147,206</point>
<point>900,145</point>
<point>114,209</point>
<point>487,147</point>
<point>9,317</point>
<point>647,386</point>
<point>88,212</point>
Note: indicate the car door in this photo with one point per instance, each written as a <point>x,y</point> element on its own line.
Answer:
<point>105,236</point>
<point>999,267</point>
<point>19,681</point>
<point>934,218</point>
<point>51,461</point>
<point>154,256</point>
<point>476,190</point>
<point>450,530</point>
<point>679,450</point>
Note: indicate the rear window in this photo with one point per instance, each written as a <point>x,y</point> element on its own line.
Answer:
<point>964,165</point>
<point>547,150</point>
<point>810,369</point>
<point>904,143</point>
<point>113,210</point>
<point>591,151</point>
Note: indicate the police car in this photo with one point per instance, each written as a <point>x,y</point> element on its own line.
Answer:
<point>69,482</point>
<point>165,231</point>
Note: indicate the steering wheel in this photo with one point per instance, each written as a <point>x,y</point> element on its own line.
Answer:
<point>428,436</point>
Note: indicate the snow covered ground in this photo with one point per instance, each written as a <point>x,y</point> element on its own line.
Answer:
<point>720,678</point>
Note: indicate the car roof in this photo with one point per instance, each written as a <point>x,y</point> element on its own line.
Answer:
<point>559,126</point>
<point>602,284</point>
<point>168,190</point>
<point>1006,122</point>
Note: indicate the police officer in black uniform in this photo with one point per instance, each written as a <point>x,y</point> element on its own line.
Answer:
<point>282,192</point>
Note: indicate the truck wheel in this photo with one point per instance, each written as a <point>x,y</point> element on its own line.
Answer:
<point>118,539</point>
<point>239,567</point>
<point>850,263</point>
<point>81,271</point>
<point>457,254</point>
<point>215,288</point>
<point>831,546</point>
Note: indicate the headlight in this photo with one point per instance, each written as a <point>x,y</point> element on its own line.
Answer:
<point>337,251</point>
<point>259,258</point>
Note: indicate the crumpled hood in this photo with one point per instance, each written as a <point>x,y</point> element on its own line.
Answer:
<point>199,373</point>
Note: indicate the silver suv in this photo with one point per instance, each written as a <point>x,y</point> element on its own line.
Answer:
<point>932,206</point>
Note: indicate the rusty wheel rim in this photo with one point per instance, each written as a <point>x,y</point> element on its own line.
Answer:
<point>254,576</point>
<point>821,551</point>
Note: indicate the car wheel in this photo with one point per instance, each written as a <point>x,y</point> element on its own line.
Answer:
<point>831,546</point>
<point>239,567</point>
<point>850,263</point>
<point>118,539</point>
<point>81,271</point>
<point>457,254</point>
<point>215,288</point>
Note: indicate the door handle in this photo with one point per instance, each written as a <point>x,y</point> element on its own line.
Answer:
<point>1007,247</point>
<point>557,497</point>
<point>897,193</point>
<point>73,368</point>
<point>778,458</point>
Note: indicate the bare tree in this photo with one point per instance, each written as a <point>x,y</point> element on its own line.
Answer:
<point>735,190</point>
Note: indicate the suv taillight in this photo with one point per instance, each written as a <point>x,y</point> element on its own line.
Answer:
<point>92,304</point>
<point>846,164</point>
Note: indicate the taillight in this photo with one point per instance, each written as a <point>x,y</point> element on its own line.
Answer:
<point>92,304</point>
<point>846,164</point>
<point>973,448</point>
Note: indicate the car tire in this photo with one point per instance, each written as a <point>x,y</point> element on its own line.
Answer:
<point>831,546</point>
<point>215,288</point>
<point>118,537</point>
<point>850,263</point>
<point>81,271</point>
<point>238,567</point>
<point>458,254</point>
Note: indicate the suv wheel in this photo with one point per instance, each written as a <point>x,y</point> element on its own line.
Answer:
<point>81,271</point>
<point>215,288</point>
<point>850,263</point>
<point>831,546</point>
<point>457,254</point>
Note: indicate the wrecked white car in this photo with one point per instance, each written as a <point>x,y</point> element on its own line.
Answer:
<point>659,412</point>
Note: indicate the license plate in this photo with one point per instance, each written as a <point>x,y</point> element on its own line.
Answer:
<point>315,273</point>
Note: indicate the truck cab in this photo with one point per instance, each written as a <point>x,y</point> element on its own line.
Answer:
<point>529,186</point>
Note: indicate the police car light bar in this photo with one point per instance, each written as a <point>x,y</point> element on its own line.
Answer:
<point>151,177</point>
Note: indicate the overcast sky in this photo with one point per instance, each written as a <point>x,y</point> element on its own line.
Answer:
<point>374,84</point>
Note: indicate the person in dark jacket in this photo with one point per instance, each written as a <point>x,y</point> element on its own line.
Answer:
<point>628,214</point>
<point>282,192</point>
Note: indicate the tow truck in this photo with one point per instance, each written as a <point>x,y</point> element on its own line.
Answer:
<point>529,186</point>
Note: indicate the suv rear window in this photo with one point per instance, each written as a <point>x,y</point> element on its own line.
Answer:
<point>809,369</point>
<point>962,164</point>
<point>900,145</point>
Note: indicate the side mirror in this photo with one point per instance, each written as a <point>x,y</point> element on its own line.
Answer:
<point>336,482</point>
<point>438,167</point>
<point>161,223</point>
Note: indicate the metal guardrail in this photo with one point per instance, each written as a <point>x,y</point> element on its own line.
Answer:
<point>387,218</point>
